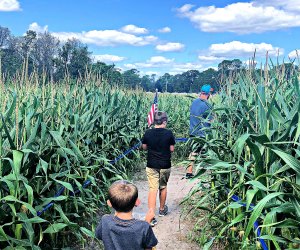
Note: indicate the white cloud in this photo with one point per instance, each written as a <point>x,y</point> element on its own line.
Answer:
<point>289,5</point>
<point>169,47</point>
<point>151,39</point>
<point>130,28</point>
<point>108,58</point>
<point>153,62</point>
<point>107,38</point>
<point>130,66</point>
<point>183,67</point>
<point>159,65</point>
<point>244,17</point>
<point>190,66</point>
<point>236,49</point>
<point>9,5</point>
<point>164,65</point>
<point>164,30</point>
<point>37,28</point>
<point>294,54</point>
<point>240,49</point>
<point>210,58</point>
<point>185,8</point>
<point>159,59</point>
<point>149,73</point>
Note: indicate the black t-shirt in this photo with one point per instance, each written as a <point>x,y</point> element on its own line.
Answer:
<point>158,141</point>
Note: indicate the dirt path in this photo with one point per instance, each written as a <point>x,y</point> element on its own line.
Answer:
<point>170,231</point>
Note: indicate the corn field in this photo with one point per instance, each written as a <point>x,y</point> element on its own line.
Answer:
<point>55,136</point>
<point>251,171</point>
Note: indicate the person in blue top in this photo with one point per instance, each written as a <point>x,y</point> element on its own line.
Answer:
<point>200,117</point>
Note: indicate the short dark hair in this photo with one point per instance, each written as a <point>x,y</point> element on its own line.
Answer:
<point>160,117</point>
<point>123,195</point>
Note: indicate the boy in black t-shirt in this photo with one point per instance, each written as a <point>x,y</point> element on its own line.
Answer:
<point>121,231</point>
<point>160,143</point>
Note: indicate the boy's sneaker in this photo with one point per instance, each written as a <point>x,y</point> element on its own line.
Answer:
<point>189,176</point>
<point>163,212</point>
<point>153,222</point>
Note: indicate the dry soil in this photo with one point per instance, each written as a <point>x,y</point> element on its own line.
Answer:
<point>171,231</point>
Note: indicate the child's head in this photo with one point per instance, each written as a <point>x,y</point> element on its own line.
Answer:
<point>160,118</point>
<point>123,196</point>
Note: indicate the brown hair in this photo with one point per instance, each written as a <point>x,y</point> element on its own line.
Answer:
<point>160,117</point>
<point>123,195</point>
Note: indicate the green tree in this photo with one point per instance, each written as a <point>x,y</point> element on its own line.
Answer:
<point>27,43</point>
<point>166,82</point>
<point>73,59</point>
<point>191,78</point>
<point>229,68</point>
<point>108,73</point>
<point>11,57</point>
<point>44,51</point>
<point>230,65</point>
<point>131,78</point>
<point>4,36</point>
<point>146,83</point>
<point>177,82</point>
<point>209,76</point>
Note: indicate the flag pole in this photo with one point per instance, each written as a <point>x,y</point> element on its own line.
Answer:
<point>156,94</point>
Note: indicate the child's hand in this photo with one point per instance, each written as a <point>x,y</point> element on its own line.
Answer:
<point>150,215</point>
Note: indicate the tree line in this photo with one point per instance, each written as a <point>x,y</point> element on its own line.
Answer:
<point>48,56</point>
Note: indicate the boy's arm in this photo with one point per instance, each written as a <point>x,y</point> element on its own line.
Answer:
<point>172,142</point>
<point>144,141</point>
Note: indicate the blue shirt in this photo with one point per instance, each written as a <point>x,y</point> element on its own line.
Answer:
<point>200,110</point>
<point>118,234</point>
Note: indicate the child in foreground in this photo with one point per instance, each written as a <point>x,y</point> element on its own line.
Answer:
<point>121,230</point>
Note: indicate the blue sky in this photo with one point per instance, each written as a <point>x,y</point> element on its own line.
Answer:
<point>164,36</point>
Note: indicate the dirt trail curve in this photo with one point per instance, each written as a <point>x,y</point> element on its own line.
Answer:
<point>170,232</point>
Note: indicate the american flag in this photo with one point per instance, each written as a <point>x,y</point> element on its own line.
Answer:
<point>152,110</point>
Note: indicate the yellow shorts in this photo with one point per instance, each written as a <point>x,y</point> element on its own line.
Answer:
<point>158,178</point>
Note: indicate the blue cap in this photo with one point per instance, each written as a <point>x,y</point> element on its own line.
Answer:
<point>206,88</point>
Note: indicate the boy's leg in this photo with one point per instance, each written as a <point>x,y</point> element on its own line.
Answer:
<point>153,180</point>
<point>152,199</point>
<point>163,181</point>
<point>162,198</point>
<point>192,158</point>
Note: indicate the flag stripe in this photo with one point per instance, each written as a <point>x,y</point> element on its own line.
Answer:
<point>153,109</point>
